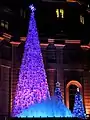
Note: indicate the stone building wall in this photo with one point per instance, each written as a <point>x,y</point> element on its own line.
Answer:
<point>5,81</point>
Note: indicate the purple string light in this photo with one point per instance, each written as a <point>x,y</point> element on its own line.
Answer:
<point>32,85</point>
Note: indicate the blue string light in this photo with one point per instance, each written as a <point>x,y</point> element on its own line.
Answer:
<point>78,110</point>
<point>32,8</point>
<point>58,93</point>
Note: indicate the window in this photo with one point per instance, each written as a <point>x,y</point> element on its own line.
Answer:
<point>4,24</point>
<point>22,13</point>
<point>60,13</point>
<point>81,19</point>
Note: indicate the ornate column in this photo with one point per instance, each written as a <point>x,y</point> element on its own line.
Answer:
<point>60,72</point>
<point>87,91</point>
<point>4,89</point>
<point>51,76</point>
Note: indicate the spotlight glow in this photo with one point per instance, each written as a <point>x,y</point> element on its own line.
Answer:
<point>48,108</point>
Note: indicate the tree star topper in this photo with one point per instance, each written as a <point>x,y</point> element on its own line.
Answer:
<point>32,8</point>
<point>58,84</point>
<point>78,90</point>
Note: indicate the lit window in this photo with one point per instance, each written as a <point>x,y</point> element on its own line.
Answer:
<point>57,13</point>
<point>22,13</point>
<point>6,25</point>
<point>81,19</point>
<point>60,13</point>
<point>2,23</point>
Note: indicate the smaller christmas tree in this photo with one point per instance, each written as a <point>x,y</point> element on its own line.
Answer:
<point>58,93</point>
<point>78,110</point>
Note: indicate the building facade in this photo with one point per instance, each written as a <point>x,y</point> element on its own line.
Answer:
<point>70,66</point>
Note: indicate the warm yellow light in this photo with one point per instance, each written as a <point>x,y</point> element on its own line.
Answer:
<point>6,25</point>
<point>1,38</point>
<point>2,23</point>
<point>62,13</point>
<point>57,13</point>
<point>81,19</point>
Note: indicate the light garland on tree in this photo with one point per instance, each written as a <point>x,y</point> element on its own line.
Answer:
<point>78,110</point>
<point>32,85</point>
<point>58,93</point>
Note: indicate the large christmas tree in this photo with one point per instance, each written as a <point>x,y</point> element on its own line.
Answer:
<point>32,85</point>
<point>78,110</point>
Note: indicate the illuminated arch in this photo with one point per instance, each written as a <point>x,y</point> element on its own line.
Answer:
<point>72,82</point>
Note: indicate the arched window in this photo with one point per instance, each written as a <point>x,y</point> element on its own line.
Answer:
<point>74,83</point>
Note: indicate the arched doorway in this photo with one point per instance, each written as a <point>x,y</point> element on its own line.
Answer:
<point>72,91</point>
<point>74,83</point>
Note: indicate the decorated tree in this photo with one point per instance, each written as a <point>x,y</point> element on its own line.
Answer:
<point>32,85</point>
<point>78,110</point>
<point>58,93</point>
